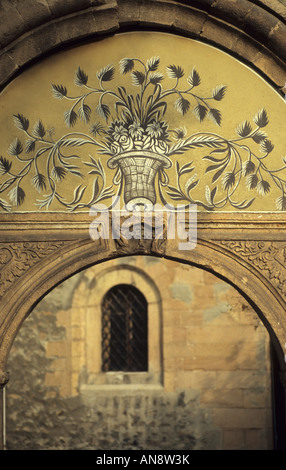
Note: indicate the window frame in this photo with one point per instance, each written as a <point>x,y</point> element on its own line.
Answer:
<point>94,377</point>
<point>124,336</point>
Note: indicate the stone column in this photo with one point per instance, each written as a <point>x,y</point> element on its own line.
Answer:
<point>3,381</point>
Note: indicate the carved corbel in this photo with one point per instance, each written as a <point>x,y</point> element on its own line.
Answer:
<point>145,239</point>
<point>18,257</point>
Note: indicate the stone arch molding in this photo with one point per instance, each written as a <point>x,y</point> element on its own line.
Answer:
<point>246,248</point>
<point>254,266</point>
<point>252,30</point>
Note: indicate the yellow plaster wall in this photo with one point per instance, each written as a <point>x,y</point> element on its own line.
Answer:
<point>30,95</point>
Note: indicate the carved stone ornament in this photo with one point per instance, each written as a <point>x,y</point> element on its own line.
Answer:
<point>138,244</point>
<point>16,258</point>
<point>268,257</point>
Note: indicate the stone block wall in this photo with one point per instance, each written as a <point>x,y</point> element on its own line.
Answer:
<point>214,390</point>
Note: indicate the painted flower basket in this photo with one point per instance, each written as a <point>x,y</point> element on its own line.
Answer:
<point>139,169</point>
<point>139,144</point>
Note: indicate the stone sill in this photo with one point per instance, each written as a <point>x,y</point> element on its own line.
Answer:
<point>86,389</point>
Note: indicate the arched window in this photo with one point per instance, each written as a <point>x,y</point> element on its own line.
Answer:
<point>124,330</point>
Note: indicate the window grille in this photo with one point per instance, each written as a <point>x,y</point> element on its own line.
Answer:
<point>124,330</point>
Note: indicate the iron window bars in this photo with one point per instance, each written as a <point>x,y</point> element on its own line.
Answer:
<point>124,330</point>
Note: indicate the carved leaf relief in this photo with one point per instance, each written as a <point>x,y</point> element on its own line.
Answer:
<point>266,256</point>
<point>16,258</point>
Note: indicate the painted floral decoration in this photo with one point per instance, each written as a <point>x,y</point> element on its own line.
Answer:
<point>130,123</point>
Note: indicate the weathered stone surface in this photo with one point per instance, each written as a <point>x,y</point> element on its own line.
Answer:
<point>25,37</point>
<point>259,23</point>
<point>238,16</point>
<point>277,39</point>
<point>218,33</point>
<point>12,24</point>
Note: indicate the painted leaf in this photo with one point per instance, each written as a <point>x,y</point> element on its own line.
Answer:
<point>259,136</point>
<point>210,195</point>
<point>182,105</point>
<point>252,181</point>
<point>106,74</point>
<point>244,204</point>
<point>103,111</point>
<point>59,91</point>
<point>215,115</point>
<point>5,165</point>
<point>281,202</point>
<point>213,159</point>
<point>215,166</point>
<point>248,167</point>
<point>95,190</point>
<point>59,173</point>
<point>39,181</point>
<point>78,193</point>
<point>191,183</point>
<point>153,63</point>
<point>21,122</point>
<point>17,196</point>
<point>81,78</point>
<point>200,112</point>
<point>228,180</point>
<point>84,112</point>
<point>39,130</point>
<point>219,173</point>
<point>70,117</point>
<point>186,168</point>
<point>266,146</point>
<point>16,147</point>
<point>261,118</point>
<point>175,71</point>
<point>244,129</point>
<point>213,193</point>
<point>73,142</point>
<point>194,79</point>
<point>219,92</point>
<point>30,146</point>
<point>156,78</point>
<point>138,77</point>
<point>174,193</point>
<point>5,206</point>
<point>263,187</point>
<point>126,65</point>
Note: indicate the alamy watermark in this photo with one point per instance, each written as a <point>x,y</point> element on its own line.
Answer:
<point>145,222</point>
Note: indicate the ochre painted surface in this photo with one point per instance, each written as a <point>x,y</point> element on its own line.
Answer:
<point>58,158</point>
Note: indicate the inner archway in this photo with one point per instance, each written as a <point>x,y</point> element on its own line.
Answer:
<point>215,367</point>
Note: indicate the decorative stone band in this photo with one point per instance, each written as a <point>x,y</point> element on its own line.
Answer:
<point>139,169</point>
<point>253,31</point>
<point>269,257</point>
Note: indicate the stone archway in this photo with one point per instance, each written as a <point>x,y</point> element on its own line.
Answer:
<point>75,256</point>
<point>247,249</point>
<point>34,268</point>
